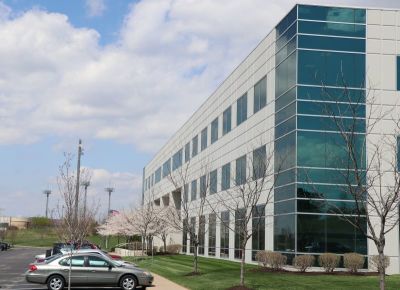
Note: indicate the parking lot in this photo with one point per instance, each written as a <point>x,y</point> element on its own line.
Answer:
<point>14,263</point>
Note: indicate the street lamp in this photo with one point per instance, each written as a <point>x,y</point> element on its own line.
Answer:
<point>109,190</point>
<point>47,192</point>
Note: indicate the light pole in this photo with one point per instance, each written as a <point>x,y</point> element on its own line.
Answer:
<point>85,184</point>
<point>47,192</point>
<point>78,172</point>
<point>109,190</point>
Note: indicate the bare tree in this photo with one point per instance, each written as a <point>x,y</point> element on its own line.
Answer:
<point>252,190</point>
<point>190,209</point>
<point>68,228</point>
<point>367,164</point>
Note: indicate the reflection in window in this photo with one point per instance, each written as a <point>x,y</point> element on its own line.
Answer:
<point>259,162</point>
<point>214,181</point>
<point>284,233</point>
<point>194,190</point>
<point>177,160</point>
<point>157,175</point>
<point>212,233</point>
<point>195,146</point>
<point>334,14</point>
<point>241,113</point>
<point>240,224</point>
<point>258,228</point>
<point>187,152</point>
<point>204,138</point>
<point>166,168</point>
<point>202,232</point>
<point>227,120</point>
<point>226,177</point>
<point>224,229</point>
<point>214,130</point>
<point>260,95</point>
<point>241,170</point>
<point>203,186</point>
<point>327,28</point>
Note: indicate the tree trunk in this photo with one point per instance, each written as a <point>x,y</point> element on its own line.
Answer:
<point>165,244</point>
<point>381,268</point>
<point>195,261</point>
<point>242,268</point>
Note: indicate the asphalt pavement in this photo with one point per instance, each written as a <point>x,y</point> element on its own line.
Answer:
<point>15,262</point>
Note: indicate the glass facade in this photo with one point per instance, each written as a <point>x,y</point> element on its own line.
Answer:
<point>320,94</point>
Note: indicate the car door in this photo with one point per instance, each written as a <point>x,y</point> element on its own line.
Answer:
<point>101,271</point>
<point>78,269</point>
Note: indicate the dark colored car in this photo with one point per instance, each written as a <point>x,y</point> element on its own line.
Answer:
<point>4,246</point>
<point>87,270</point>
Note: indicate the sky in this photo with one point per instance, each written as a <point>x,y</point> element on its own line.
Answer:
<point>121,75</point>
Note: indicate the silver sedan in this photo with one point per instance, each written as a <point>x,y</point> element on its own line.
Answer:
<point>87,270</point>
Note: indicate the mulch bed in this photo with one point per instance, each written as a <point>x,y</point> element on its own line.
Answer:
<point>239,288</point>
<point>336,273</point>
<point>193,274</point>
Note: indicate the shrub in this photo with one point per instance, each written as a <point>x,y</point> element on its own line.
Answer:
<point>272,259</point>
<point>261,258</point>
<point>302,263</point>
<point>353,262</point>
<point>374,261</point>
<point>174,248</point>
<point>329,261</point>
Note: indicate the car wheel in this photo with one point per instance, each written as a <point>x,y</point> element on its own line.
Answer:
<point>55,282</point>
<point>128,282</point>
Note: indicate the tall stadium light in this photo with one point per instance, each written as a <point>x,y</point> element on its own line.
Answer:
<point>109,190</point>
<point>85,184</point>
<point>47,192</point>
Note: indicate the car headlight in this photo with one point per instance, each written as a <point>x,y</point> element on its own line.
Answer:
<point>147,273</point>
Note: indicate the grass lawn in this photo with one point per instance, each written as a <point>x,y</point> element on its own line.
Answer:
<point>46,238</point>
<point>222,274</point>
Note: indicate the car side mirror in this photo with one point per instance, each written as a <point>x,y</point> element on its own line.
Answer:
<point>110,267</point>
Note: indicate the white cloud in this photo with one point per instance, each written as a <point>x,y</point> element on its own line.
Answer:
<point>95,7</point>
<point>55,79</point>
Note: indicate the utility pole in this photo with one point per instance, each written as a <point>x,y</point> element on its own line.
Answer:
<point>109,190</point>
<point>78,172</point>
<point>85,184</point>
<point>47,192</point>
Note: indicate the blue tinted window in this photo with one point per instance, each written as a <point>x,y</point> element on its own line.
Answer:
<point>285,113</point>
<point>331,68</point>
<point>214,130</point>
<point>332,176</point>
<point>331,109</point>
<point>283,207</point>
<point>260,95</point>
<point>327,28</point>
<point>204,138</point>
<point>325,206</point>
<point>285,99</point>
<point>331,43</point>
<point>286,75</point>
<point>284,233</point>
<point>331,94</point>
<point>240,170</point>
<point>227,120</point>
<point>285,127</point>
<point>286,50</point>
<point>286,22</point>
<point>335,14</point>
<point>166,168</point>
<point>284,192</point>
<point>285,177</point>
<point>195,146</point>
<point>281,41</point>
<point>158,175</point>
<point>285,150</point>
<point>324,191</point>
<point>177,160</point>
<point>241,113</point>
<point>398,73</point>
<point>331,124</point>
<point>226,177</point>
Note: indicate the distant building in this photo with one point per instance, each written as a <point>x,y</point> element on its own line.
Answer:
<point>18,222</point>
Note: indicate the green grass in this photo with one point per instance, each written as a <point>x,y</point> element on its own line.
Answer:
<point>46,238</point>
<point>222,274</point>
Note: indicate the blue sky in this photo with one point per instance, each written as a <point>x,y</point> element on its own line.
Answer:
<point>122,75</point>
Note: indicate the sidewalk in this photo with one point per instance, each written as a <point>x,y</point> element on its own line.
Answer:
<point>164,284</point>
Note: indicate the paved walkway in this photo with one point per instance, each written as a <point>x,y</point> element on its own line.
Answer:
<point>164,284</point>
